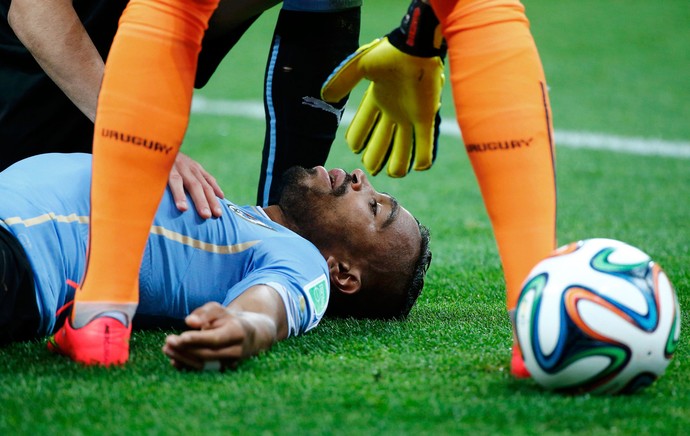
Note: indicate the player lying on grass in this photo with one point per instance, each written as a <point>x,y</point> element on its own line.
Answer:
<point>248,278</point>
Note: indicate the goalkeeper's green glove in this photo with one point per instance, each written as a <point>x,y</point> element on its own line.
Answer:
<point>398,116</point>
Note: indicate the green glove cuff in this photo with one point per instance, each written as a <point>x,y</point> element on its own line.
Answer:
<point>419,33</point>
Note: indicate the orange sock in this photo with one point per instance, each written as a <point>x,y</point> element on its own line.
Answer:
<point>142,116</point>
<point>504,114</point>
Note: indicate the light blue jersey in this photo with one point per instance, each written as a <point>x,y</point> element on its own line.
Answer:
<point>44,202</point>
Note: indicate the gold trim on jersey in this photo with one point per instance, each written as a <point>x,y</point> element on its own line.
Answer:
<point>45,218</point>
<point>156,230</point>
<point>201,245</point>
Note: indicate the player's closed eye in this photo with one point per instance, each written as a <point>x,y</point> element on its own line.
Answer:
<point>374,206</point>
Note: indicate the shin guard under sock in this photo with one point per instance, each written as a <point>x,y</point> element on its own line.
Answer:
<point>504,114</point>
<point>142,115</point>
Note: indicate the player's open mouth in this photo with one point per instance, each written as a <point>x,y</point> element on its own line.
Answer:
<point>337,176</point>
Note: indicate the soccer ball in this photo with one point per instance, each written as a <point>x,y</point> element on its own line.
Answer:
<point>597,316</point>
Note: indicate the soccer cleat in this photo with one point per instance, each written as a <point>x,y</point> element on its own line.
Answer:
<point>102,342</point>
<point>517,364</point>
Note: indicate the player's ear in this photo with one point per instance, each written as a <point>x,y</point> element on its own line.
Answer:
<point>346,277</point>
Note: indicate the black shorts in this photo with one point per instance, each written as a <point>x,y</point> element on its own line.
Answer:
<point>19,315</point>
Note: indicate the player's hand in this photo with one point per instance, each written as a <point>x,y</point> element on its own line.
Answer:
<point>221,339</point>
<point>398,118</point>
<point>188,175</point>
<point>398,115</point>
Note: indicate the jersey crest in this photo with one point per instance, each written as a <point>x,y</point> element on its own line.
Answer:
<point>247,216</point>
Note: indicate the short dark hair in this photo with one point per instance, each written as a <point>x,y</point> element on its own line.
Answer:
<point>416,282</point>
<point>395,299</point>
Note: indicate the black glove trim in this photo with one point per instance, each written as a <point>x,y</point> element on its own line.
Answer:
<point>417,32</point>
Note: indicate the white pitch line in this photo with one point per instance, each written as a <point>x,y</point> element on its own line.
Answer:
<point>564,138</point>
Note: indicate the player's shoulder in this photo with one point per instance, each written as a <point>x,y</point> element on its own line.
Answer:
<point>55,167</point>
<point>255,222</point>
<point>280,241</point>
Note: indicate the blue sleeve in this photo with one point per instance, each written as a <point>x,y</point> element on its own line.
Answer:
<point>304,304</point>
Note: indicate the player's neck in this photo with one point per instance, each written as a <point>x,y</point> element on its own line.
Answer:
<point>275,213</point>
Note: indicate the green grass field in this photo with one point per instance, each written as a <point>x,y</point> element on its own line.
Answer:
<point>614,67</point>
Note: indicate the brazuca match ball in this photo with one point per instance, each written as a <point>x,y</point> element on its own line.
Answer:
<point>597,316</point>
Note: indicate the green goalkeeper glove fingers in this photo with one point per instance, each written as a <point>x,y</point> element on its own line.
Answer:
<point>397,120</point>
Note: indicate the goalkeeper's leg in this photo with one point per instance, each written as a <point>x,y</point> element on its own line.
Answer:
<point>143,111</point>
<point>310,40</point>
<point>503,109</point>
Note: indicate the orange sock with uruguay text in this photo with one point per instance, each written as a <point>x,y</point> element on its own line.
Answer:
<point>142,116</point>
<point>504,114</point>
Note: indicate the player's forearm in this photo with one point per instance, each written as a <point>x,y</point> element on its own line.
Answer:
<point>53,33</point>
<point>261,332</point>
<point>250,324</point>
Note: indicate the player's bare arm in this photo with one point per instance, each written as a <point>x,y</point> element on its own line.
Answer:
<point>53,33</point>
<point>250,324</point>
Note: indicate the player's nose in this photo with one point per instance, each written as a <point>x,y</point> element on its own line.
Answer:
<point>359,180</point>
